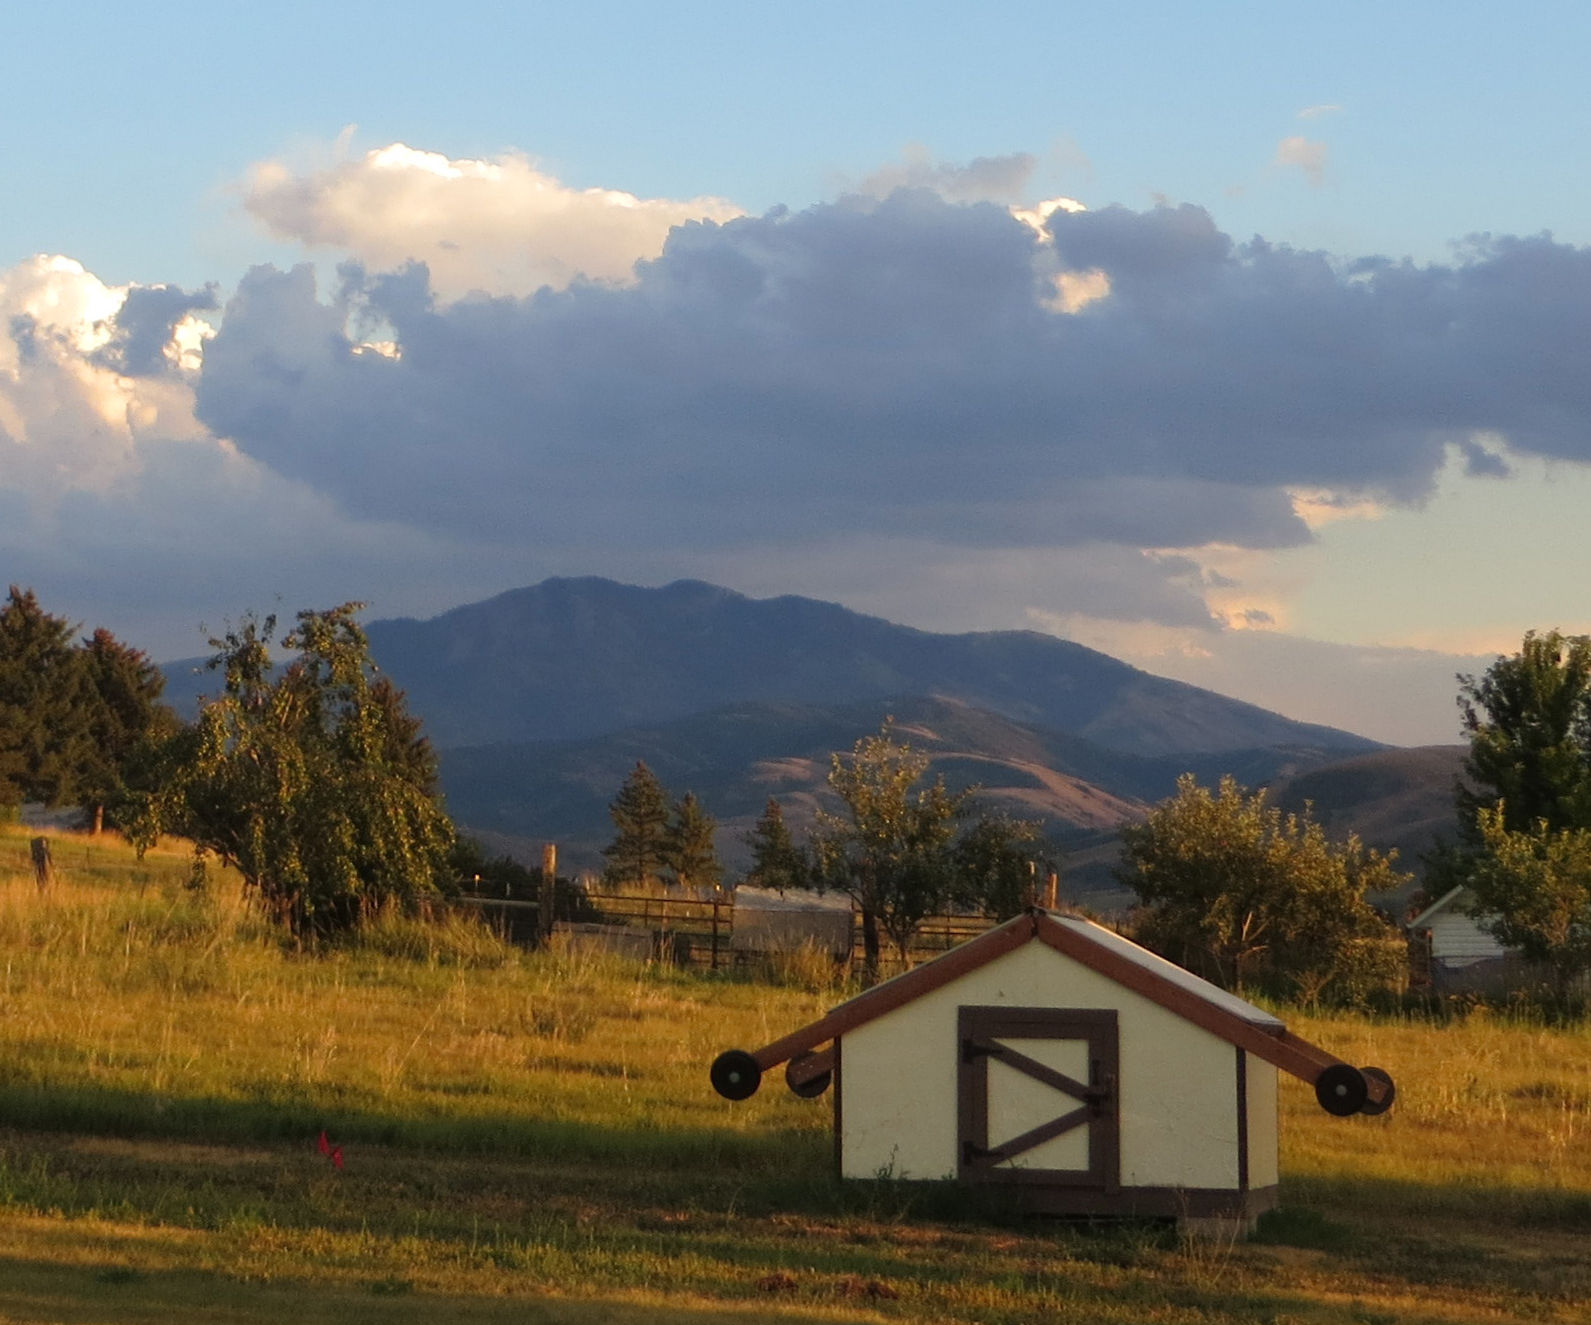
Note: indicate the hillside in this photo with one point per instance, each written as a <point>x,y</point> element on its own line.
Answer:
<point>1393,799</point>
<point>573,658</point>
<point>541,700</point>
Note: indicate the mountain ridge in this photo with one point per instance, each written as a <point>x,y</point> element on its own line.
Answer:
<point>570,658</point>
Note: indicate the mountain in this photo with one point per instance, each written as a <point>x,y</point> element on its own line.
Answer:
<point>514,795</point>
<point>575,658</point>
<point>541,700</point>
<point>1391,799</point>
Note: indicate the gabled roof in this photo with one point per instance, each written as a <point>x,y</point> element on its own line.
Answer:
<point>1119,959</point>
<point>1447,901</point>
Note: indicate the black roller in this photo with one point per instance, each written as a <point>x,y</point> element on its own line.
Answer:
<point>811,1087</point>
<point>1379,1074</point>
<point>735,1074</point>
<point>1341,1090</point>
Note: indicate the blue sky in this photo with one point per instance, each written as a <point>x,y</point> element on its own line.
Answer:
<point>1132,425</point>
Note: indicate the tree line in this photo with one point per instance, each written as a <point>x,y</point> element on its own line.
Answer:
<point>903,849</point>
<point>308,775</point>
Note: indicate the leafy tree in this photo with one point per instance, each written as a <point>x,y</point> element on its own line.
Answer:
<point>688,849</point>
<point>640,814</point>
<point>1533,889</point>
<point>126,726</point>
<point>314,783</point>
<point>46,705</point>
<point>1249,898</point>
<point>776,861</point>
<point>890,853</point>
<point>1528,719</point>
<point>996,862</point>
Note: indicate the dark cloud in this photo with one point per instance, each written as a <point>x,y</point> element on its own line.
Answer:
<point>144,326</point>
<point>896,369</point>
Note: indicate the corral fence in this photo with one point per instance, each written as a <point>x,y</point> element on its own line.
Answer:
<point>715,932</point>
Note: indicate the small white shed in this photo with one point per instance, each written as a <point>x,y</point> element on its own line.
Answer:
<point>1054,1058</point>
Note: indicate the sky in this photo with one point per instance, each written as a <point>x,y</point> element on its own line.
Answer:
<point>1250,343</point>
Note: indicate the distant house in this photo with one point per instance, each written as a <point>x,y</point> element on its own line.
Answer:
<point>1449,946</point>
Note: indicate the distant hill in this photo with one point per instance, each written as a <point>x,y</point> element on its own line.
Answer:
<point>1399,799</point>
<point>574,658</point>
<point>541,700</point>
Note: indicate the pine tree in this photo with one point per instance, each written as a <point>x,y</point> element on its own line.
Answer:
<point>776,861</point>
<point>640,815</point>
<point>689,851</point>
<point>46,705</point>
<point>127,722</point>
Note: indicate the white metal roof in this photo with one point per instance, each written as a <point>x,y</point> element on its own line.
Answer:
<point>1171,972</point>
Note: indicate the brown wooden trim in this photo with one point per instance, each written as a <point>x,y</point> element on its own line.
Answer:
<point>1147,1202</point>
<point>1242,1120</point>
<point>808,1067</point>
<point>903,989</point>
<point>1037,1136</point>
<point>839,1117</point>
<point>1281,1048</point>
<point>978,1029</point>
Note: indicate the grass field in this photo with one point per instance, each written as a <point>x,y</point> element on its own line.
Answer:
<point>531,1137</point>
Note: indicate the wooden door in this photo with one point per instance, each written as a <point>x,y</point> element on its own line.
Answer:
<point>1038,1096</point>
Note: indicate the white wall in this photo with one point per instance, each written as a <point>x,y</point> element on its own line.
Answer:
<point>1178,1083</point>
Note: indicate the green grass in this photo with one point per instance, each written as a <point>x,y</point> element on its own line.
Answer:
<point>532,1137</point>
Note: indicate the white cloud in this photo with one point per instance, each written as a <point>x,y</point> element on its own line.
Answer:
<point>1308,154</point>
<point>72,417</point>
<point>1316,112</point>
<point>502,226</point>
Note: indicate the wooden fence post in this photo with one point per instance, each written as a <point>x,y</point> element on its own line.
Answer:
<point>549,889</point>
<point>43,870</point>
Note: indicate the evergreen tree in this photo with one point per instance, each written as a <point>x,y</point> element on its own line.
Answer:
<point>1528,719</point>
<point>46,705</point>
<point>689,852</point>
<point>640,814</point>
<point>127,722</point>
<point>776,861</point>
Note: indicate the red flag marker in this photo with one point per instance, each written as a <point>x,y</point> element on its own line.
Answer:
<point>325,1144</point>
<point>337,1158</point>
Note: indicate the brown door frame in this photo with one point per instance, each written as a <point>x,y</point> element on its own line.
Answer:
<point>1095,1103</point>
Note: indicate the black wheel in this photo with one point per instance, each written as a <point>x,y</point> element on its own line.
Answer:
<point>1381,1075</point>
<point>812,1087</point>
<point>735,1074</point>
<point>1341,1090</point>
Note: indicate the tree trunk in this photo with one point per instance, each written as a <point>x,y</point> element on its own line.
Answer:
<point>869,948</point>
<point>99,820</point>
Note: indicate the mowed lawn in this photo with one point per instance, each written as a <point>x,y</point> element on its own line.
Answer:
<point>531,1137</point>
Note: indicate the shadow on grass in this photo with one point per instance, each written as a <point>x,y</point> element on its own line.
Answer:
<point>89,1294</point>
<point>283,1114</point>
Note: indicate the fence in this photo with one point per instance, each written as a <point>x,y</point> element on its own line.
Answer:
<point>686,931</point>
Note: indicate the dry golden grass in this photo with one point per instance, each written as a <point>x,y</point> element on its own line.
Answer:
<point>531,1136</point>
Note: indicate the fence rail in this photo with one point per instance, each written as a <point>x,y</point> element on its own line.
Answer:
<point>683,930</point>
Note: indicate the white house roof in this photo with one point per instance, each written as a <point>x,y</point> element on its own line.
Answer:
<point>1445,902</point>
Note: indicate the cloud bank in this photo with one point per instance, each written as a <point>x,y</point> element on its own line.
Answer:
<point>938,391</point>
